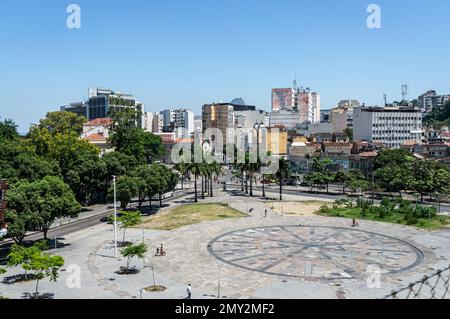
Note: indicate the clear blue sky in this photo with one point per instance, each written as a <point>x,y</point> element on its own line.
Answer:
<point>190,52</point>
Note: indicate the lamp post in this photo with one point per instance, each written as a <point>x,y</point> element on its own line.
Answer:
<point>115,218</point>
<point>258,126</point>
<point>218,285</point>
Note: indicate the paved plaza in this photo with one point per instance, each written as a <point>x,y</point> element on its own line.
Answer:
<point>254,257</point>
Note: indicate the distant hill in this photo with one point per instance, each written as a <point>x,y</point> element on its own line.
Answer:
<point>238,101</point>
<point>439,116</point>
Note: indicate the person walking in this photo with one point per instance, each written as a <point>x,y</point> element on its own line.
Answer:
<point>189,291</point>
<point>265,213</point>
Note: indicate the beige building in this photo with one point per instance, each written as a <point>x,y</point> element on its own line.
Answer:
<point>276,142</point>
<point>219,116</point>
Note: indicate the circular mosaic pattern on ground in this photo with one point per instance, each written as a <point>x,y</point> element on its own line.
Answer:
<point>314,252</point>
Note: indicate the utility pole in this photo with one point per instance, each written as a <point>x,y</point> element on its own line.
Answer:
<point>258,126</point>
<point>373,182</point>
<point>218,286</point>
<point>115,218</point>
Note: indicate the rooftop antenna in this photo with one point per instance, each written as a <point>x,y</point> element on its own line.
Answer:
<point>385,99</point>
<point>404,91</point>
<point>294,84</point>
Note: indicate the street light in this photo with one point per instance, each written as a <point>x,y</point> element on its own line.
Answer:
<point>115,218</point>
<point>258,126</point>
<point>218,286</point>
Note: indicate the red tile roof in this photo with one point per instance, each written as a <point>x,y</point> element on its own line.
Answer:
<point>368,154</point>
<point>95,138</point>
<point>97,122</point>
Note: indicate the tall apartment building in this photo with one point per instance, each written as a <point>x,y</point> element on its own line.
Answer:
<point>104,101</point>
<point>198,124</point>
<point>308,104</point>
<point>283,99</point>
<point>316,107</point>
<point>180,121</point>
<point>79,108</point>
<point>391,126</point>
<point>285,119</point>
<point>219,116</point>
<point>430,100</point>
<point>153,122</point>
<point>248,119</point>
<point>348,106</point>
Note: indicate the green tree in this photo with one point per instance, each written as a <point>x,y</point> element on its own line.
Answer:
<point>283,172</point>
<point>126,190</point>
<point>182,169</point>
<point>37,205</point>
<point>153,147</point>
<point>65,148</point>
<point>430,177</point>
<point>132,251</point>
<point>389,157</point>
<point>129,139</point>
<point>62,123</point>
<point>215,169</point>
<point>394,178</point>
<point>19,222</point>
<point>128,220</point>
<point>43,265</point>
<point>320,173</point>
<point>116,164</point>
<point>349,133</point>
<point>342,177</point>
<point>86,176</point>
<point>196,170</point>
<point>166,179</point>
<point>18,161</point>
<point>20,255</point>
<point>142,174</point>
<point>8,130</point>
<point>32,167</point>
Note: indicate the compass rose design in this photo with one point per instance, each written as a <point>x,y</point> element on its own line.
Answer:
<point>314,252</point>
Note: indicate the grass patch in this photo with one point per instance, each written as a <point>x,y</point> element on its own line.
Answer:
<point>155,288</point>
<point>190,214</point>
<point>393,217</point>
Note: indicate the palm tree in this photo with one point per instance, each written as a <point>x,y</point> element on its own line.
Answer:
<point>245,168</point>
<point>196,170</point>
<point>182,169</point>
<point>283,172</point>
<point>204,171</point>
<point>214,168</point>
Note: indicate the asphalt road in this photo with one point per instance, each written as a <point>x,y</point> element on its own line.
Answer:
<point>445,208</point>
<point>64,230</point>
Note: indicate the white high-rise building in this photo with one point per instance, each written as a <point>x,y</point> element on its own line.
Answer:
<point>430,100</point>
<point>305,105</point>
<point>179,121</point>
<point>316,107</point>
<point>391,126</point>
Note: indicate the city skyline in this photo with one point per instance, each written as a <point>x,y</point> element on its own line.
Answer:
<point>179,54</point>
